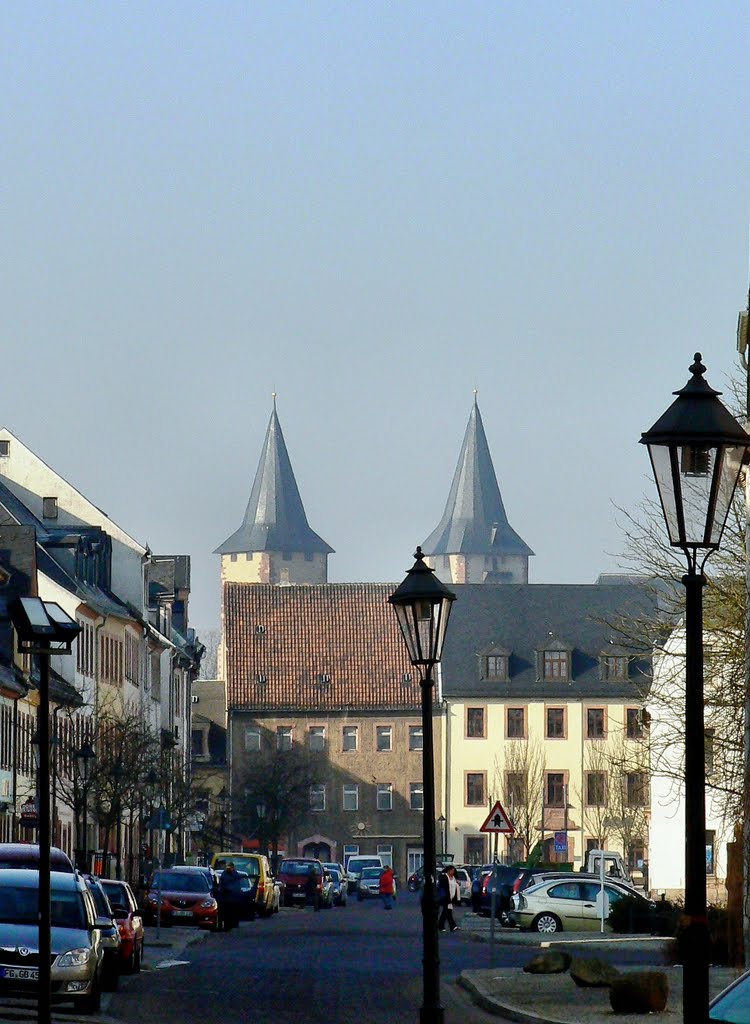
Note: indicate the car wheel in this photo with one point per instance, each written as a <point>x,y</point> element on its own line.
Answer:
<point>546,923</point>
<point>92,1002</point>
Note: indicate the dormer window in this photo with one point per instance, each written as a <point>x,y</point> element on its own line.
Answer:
<point>4,449</point>
<point>49,508</point>
<point>614,667</point>
<point>554,661</point>
<point>493,664</point>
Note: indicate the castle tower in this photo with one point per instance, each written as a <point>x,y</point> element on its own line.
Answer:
<point>274,544</point>
<point>474,542</point>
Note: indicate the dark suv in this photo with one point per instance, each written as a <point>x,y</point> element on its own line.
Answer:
<point>302,878</point>
<point>504,881</point>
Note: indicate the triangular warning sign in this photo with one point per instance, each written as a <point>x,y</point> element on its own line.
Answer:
<point>498,821</point>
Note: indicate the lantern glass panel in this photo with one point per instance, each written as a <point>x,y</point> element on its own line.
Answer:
<point>727,473</point>
<point>661,461</point>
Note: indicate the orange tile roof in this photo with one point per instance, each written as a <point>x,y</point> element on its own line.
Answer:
<point>325,647</point>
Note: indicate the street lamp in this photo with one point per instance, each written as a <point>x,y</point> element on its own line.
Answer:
<point>84,759</point>
<point>697,449</point>
<point>441,823</point>
<point>260,810</point>
<point>223,800</point>
<point>43,628</point>
<point>423,606</point>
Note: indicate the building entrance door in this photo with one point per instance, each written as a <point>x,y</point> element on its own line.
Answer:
<point>322,851</point>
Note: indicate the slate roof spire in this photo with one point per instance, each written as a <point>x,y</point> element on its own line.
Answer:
<point>474,521</point>
<point>275,517</point>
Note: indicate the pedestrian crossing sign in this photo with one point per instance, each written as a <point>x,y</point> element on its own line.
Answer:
<point>498,821</point>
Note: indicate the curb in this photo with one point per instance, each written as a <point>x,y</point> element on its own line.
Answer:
<point>499,1009</point>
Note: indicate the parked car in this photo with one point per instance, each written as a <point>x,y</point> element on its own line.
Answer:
<point>76,938</point>
<point>732,1005</point>
<point>464,884</point>
<point>340,887</point>
<point>129,922</point>
<point>415,881</point>
<point>571,905</point>
<point>186,898</point>
<point>26,855</point>
<point>111,941</point>
<point>294,873</point>
<point>369,884</point>
<point>208,873</point>
<point>502,880</point>
<point>334,866</point>
<point>356,864</point>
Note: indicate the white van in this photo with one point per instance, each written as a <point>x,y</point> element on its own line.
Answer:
<point>355,865</point>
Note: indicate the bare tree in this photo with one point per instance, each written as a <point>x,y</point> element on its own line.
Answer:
<point>281,780</point>
<point>210,638</point>
<point>519,784</point>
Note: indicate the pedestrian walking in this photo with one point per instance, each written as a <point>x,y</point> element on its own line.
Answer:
<point>313,892</point>
<point>448,893</point>
<point>387,887</point>
<point>476,890</point>
<point>228,898</point>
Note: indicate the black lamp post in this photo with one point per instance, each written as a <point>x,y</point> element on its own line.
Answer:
<point>260,810</point>
<point>118,774</point>
<point>84,759</point>
<point>43,628</point>
<point>697,449</point>
<point>423,605</point>
<point>223,801</point>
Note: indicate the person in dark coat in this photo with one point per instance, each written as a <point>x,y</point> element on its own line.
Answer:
<point>313,893</point>
<point>228,898</point>
<point>448,893</point>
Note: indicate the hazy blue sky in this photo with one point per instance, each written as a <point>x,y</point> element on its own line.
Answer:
<point>370,208</point>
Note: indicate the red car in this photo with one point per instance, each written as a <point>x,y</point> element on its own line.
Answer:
<point>185,899</point>
<point>129,922</point>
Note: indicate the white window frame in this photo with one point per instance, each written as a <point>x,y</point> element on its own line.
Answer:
<point>384,789</point>
<point>385,852</point>
<point>414,731</point>
<point>386,732</point>
<point>319,732</point>
<point>350,730</point>
<point>252,730</point>
<point>281,736</point>
<point>317,791</point>
<point>350,850</point>
<point>350,789</point>
<point>416,788</point>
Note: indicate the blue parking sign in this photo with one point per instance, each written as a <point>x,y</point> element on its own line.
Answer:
<point>561,842</point>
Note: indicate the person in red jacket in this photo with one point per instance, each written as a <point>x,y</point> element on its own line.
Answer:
<point>387,887</point>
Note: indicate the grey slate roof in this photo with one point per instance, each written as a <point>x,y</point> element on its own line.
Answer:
<point>275,518</point>
<point>474,521</point>
<point>523,617</point>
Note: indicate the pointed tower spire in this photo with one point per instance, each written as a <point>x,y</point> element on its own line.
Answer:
<point>474,524</point>
<point>275,519</point>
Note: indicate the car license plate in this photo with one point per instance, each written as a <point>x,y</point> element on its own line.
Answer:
<point>20,973</point>
<point>299,895</point>
<point>182,913</point>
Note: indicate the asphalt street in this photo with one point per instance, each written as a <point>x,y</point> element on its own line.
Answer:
<point>357,964</point>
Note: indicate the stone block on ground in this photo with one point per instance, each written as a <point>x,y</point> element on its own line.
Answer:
<point>639,992</point>
<point>590,972</point>
<point>552,961</point>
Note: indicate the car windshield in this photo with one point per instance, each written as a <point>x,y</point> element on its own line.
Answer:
<point>334,874</point>
<point>101,902</point>
<point>372,872</point>
<point>358,865</point>
<point>115,894</point>
<point>180,881</point>
<point>248,864</point>
<point>297,867</point>
<point>21,906</point>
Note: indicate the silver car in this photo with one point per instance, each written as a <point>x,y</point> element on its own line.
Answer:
<point>76,938</point>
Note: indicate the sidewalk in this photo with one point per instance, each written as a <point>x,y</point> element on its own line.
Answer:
<point>171,944</point>
<point>555,998</point>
